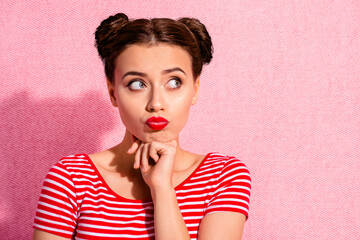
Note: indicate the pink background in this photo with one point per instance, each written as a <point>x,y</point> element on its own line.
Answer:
<point>282,94</point>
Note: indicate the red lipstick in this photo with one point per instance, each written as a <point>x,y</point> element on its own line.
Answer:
<point>157,123</point>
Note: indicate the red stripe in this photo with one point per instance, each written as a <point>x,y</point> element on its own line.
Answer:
<point>135,217</point>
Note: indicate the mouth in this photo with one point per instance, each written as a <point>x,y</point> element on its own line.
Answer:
<point>157,123</point>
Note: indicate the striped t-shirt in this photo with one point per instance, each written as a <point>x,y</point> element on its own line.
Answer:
<point>76,202</point>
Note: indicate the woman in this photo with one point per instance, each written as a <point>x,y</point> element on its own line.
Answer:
<point>147,187</point>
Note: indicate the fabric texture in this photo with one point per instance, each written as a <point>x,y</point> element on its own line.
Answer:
<point>282,93</point>
<point>76,202</point>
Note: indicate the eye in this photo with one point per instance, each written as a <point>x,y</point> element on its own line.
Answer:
<point>136,85</point>
<point>174,83</point>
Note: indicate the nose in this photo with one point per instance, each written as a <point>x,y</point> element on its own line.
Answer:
<point>156,101</point>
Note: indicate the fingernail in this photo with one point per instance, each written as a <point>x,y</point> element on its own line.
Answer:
<point>130,149</point>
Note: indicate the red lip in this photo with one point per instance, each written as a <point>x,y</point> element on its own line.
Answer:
<point>157,123</point>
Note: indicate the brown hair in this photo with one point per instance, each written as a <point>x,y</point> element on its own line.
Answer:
<point>117,32</point>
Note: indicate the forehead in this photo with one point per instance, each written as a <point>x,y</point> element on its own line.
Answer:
<point>145,57</point>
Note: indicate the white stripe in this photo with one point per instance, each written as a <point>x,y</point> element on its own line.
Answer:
<point>117,221</point>
<point>62,178</point>
<point>192,210</point>
<point>62,170</point>
<point>54,222</point>
<point>78,187</point>
<point>87,180</point>
<point>216,154</point>
<point>56,208</point>
<point>80,194</point>
<point>73,155</point>
<point>202,176</point>
<point>229,200</point>
<point>61,186</point>
<point>192,217</point>
<point>100,200</point>
<point>80,163</point>
<point>83,174</point>
<point>209,169</point>
<point>115,214</point>
<point>236,168</point>
<point>53,229</point>
<point>237,175</point>
<point>194,189</point>
<point>191,203</point>
<point>117,208</point>
<point>192,196</point>
<point>60,193</point>
<point>242,180</point>
<point>242,187</point>
<point>55,215</point>
<point>192,224</point>
<point>115,228</point>
<point>200,182</point>
<point>226,206</point>
<point>82,169</point>
<point>56,200</point>
<point>212,162</point>
<point>232,187</point>
<point>114,235</point>
<point>234,193</point>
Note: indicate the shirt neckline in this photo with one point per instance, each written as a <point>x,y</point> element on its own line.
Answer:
<point>108,188</point>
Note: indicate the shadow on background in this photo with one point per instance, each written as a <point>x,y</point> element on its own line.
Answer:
<point>34,136</point>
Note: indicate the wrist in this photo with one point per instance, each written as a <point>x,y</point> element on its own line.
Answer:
<point>162,192</point>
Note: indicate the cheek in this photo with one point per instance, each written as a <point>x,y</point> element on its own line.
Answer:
<point>128,111</point>
<point>181,109</point>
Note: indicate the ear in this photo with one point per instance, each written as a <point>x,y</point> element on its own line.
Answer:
<point>111,89</point>
<point>196,93</point>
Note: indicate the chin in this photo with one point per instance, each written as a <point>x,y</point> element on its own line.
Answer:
<point>156,137</point>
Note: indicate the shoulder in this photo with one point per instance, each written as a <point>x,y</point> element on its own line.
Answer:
<point>231,184</point>
<point>78,160</point>
<point>70,165</point>
<point>225,162</point>
<point>61,180</point>
<point>69,173</point>
<point>226,168</point>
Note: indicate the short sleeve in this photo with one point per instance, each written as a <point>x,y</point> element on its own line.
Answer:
<point>57,207</point>
<point>232,189</point>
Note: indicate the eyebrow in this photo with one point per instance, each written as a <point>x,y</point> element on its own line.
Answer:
<point>174,70</point>
<point>166,71</point>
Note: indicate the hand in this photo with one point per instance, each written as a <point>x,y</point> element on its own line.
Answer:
<point>156,162</point>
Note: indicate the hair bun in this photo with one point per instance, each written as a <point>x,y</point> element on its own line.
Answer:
<point>106,32</point>
<point>202,36</point>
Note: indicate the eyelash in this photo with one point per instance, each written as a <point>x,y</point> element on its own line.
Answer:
<point>139,80</point>
<point>135,80</point>
<point>178,80</point>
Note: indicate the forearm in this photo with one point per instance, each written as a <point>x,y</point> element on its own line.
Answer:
<point>169,223</point>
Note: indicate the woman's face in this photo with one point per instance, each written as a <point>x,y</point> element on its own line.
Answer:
<point>154,89</point>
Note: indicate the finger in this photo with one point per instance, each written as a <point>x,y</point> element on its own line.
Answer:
<point>145,158</point>
<point>153,153</point>
<point>138,157</point>
<point>134,146</point>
